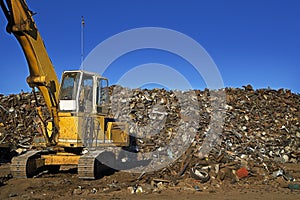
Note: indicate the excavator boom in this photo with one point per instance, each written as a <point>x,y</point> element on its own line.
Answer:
<point>42,73</point>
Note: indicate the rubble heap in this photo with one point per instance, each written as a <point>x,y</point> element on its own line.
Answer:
<point>17,121</point>
<point>260,129</point>
<point>189,133</point>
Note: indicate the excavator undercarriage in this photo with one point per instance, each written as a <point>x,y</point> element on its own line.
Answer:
<point>32,162</point>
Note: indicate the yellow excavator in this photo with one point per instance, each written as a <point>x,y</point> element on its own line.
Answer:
<point>79,130</point>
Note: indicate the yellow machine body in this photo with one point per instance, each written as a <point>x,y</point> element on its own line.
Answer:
<point>110,134</point>
<point>78,106</point>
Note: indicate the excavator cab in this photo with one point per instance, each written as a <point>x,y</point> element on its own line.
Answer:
<point>83,91</point>
<point>83,109</point>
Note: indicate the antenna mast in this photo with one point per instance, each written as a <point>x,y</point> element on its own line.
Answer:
<point>82,41</point>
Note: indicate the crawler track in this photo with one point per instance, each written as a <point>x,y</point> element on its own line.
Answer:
<point>88,166</point>
<point>24,166</point>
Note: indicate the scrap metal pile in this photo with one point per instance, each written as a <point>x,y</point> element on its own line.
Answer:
<point>18,122</point>
<point>189,134</point>
<point>260,131</point>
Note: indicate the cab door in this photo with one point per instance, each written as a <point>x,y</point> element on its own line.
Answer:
<point>102,97</point>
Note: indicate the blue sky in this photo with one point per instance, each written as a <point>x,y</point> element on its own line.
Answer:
<point>251,42</point>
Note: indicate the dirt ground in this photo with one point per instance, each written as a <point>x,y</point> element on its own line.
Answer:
<point>66,185</point>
